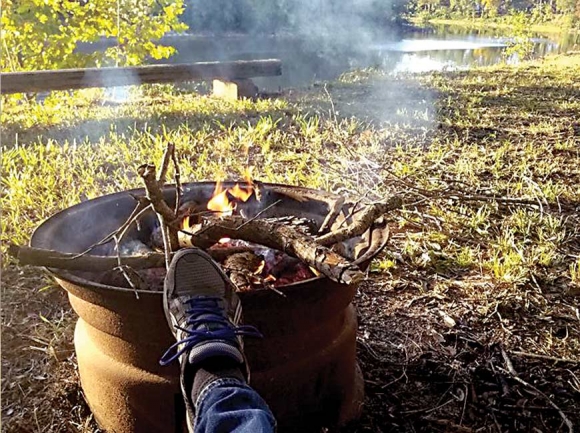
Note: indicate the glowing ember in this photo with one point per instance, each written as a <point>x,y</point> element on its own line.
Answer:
<point>260,268</point>
<point>269,279</point>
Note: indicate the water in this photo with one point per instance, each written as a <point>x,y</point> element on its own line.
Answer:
<point>460,48</point>
<point>306,61</point>
<point>422,50</point>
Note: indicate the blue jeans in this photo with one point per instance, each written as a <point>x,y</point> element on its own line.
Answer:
<point>229,405</point>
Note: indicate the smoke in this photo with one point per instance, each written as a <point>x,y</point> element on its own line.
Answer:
<point>333,25</point>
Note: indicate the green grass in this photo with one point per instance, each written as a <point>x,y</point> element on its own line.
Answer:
<point>453,145</point>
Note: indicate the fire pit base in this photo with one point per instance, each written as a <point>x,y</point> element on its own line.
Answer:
<point>305,367</point>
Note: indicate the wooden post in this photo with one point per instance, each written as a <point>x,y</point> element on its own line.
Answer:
<point>234,89</point>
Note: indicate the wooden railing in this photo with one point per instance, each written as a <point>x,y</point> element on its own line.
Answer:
<point>41,81</point>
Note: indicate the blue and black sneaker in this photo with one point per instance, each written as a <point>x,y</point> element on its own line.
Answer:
<point>204,314</point>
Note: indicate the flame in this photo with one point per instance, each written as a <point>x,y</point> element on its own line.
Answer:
<point>315,271</point>
<point>260,268</point>
<point>220,202</point>
<point>185,223</point>
<point>241,193</point>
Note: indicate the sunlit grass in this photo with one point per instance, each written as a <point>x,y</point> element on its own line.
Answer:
<point>72,148</point>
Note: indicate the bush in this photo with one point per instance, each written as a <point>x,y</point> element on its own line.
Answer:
<point>43,34</point>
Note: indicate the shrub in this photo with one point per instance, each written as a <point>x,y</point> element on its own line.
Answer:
<point>43,34</point>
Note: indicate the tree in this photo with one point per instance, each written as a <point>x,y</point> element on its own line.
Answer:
<point>43,34</point>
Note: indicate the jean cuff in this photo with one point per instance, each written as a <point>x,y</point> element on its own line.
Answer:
<point>213,384</point>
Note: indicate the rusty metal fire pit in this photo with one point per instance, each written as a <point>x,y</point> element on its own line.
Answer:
<point>305,367</point>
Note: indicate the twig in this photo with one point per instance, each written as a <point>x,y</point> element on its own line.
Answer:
<point>118,237</point>
<point>167,157</point>
<point>167,249</point>
<point>365,219</point>
<point>546,357</point>
<point>333,212</point>
<point>142,204</point>
<point>379,239</point>
<point>511,370</point>
<point>508,200</point>
<point>74,262</point>
<point>424,410</point>
<point>155,196</point>
<point>353,210</point>
<point>449,426</point>
<point>177,178</point>
<point>125,271</point>
<point>260,213</point>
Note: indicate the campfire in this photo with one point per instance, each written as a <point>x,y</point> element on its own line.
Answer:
<point>249,265</point>
<point>264,236</point>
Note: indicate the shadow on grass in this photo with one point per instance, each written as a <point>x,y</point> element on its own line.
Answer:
<point>155,118</point>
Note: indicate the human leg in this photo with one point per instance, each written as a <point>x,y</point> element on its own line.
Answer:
<point>204,315</point>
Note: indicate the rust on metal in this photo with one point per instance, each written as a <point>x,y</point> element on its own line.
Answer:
<point>305,367</point>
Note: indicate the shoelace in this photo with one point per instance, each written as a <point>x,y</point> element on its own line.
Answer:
<point>212,313</point>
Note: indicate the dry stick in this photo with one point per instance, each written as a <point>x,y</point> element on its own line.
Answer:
<point>164,212</point>
<point>283,238</point>
<point>128,272</point>
<point>177,177</point>
<point>297,194</point>
<point>379,240</point>
<point>511,370</point>
<point>154,193</point>
<point>546,357</point>
<point>334,211</point>
<point>167,157</point>
<point>74,262</point>
<point>365,219</point>
<point>504,200</point>
<point>168,244</point>
<point>142,203</point>
<point>353,210</point>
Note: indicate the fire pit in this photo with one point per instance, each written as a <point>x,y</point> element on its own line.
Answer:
<point>305,367</point>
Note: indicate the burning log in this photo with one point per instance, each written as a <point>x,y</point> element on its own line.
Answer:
<point>283,238</point>
<point>243,268</point>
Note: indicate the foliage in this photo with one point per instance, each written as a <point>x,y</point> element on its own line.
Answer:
<point>566,13</point>
<point>521,44</point>
<point>43,34</point>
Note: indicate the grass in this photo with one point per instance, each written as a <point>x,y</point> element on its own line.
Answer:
<point>484,255</point>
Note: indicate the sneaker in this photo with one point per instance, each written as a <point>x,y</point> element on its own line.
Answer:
<point>202,310</point>
<point>204,314</point>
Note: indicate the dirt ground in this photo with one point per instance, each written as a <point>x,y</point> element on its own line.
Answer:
<point>432,355</point>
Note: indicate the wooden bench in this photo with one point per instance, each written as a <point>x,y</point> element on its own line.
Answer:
<point>230,79</point>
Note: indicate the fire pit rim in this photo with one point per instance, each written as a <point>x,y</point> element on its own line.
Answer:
<point>72,278</point>
<point>75,279</point>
